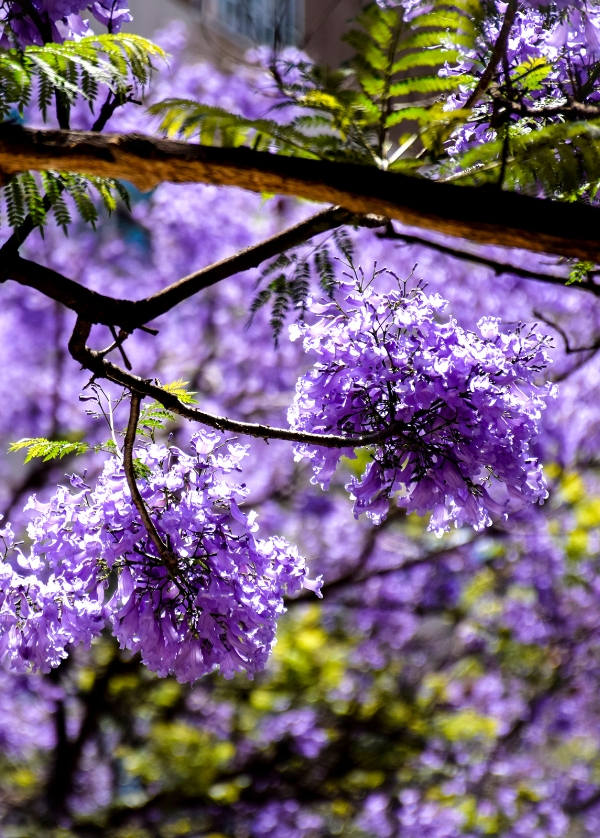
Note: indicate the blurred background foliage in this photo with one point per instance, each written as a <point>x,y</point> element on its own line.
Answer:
<point>321,729</point>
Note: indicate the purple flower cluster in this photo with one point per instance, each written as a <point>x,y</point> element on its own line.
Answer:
<point>502,624</point>
<point>286,819</point>
<point>566,52</point>
<point>454,413</point>
<point>301,726</point>
<point>215,603</point>
<point>38,21</point>
<point>39,618</point>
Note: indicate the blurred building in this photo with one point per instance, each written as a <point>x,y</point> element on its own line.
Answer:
<point>222,30</point>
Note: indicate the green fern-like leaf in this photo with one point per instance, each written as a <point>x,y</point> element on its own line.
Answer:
<point>48,449</point>
<point>54,189</point>
<point>15,201</point>
<point>288,290</point>
<point>281,294</point>
<point>75,69</point>
<point>347,115</point>
<point>324,269</point>
<point>531,74</point>
<point>140,470</point>
<point>154,416</point>
<point>65,72</point>
<point>343,243</point>
<point>300,287</point>
<point>563,160</point>
<point>85,190</point>
<point>77,188</point>
<point>178,389</point>
<point>33,199</point>
<point>579,272</point>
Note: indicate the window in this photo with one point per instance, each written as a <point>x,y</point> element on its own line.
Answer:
<point>263,21</point>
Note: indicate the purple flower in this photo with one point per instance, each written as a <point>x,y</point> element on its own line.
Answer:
<point>111,13</point>
<point>455,412</point>
<point>214,604</point>
<point>57,20</point>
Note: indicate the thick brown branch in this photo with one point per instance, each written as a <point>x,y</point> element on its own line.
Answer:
<point>28,225</point>
<point>101,368</point>
<point>129,314</point>
<point>487,217</point>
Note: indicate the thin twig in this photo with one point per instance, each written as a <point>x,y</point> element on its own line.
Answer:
<point>570,109</point>
<point>497,52</point>
<point>112,102</point>
<point>569,350</point>
<point>118,344</point>
<point>163,551</point>
<point>101,368</point>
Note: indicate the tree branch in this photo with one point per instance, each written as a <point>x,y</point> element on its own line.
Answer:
<point>112,102</point>
<point>571,109</point>
<point>251,257</point>
<point>101,368</point>
<point>572,807</point>
<point>166,556</point>
<point>569,350</point>
<point>487,217</point>
<point>132,314</point>
<point>499,268</point>
<point>28,225</point>
<point>68,752</point>
<point>497,53</point>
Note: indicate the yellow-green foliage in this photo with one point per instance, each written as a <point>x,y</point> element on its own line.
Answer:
<point>389,725</point>
<point>75,69</point>
<point>179,756</point>
<point>347,114</point>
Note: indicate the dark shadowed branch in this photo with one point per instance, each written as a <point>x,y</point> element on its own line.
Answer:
<point>569,349</point>
<point>97,364</point>
<point>68,751</point>
<point>498,50</point>
<point>499,268</point>
<point>130,314</point>
<point>163,551</point>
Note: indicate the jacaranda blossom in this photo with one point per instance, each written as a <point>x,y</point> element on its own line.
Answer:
<point>215,604</point>
<point>21,22</point>
<point>455,412</point>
